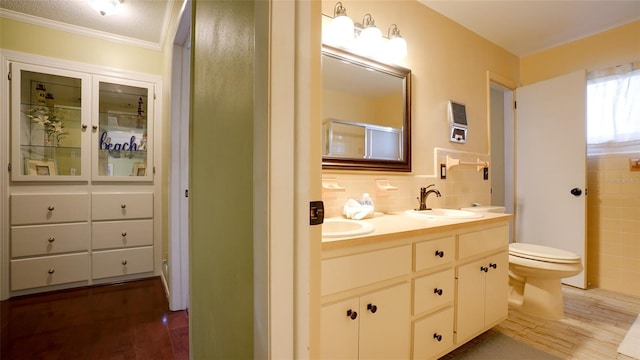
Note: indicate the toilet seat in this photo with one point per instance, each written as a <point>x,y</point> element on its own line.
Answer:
<point>543,253</point>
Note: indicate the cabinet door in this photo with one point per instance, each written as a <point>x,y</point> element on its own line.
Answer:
<point>339,330</point>
<point>497,289</point>
<point>50,115</point>
<point>122,129</point>
<point>385,326</point>
<point>471,299</point>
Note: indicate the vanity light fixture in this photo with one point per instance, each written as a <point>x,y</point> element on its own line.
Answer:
<point>370,36</point>
<point>341,31</point>
<point>105,7</point>
<point>397,45</point>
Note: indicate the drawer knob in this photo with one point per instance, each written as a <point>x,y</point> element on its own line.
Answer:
<point>439,253</point>
<point>51,271</point>
<point>51,208</point>
<point>484,268</point>
<point>372,308</point>
<point>51,239</point>
<point>437,336</point>
<point>124,234</point>
<point>437,291</point>
<point>94,127</point>
<point>352,314</point>
<point>492,265</point>
<point>124,262</point>
<point>84,126</point>
<point>124,206</point>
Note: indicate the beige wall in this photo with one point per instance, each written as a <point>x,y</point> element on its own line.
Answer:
<point>447,62</point>
<point>613,238</point>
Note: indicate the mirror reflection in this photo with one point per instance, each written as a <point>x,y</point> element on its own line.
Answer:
<point>365,112</point>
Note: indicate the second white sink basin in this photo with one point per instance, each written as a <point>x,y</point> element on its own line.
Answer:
<point>446,214</point>
<point>343,227</point>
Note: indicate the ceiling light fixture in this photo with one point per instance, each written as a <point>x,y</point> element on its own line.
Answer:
<point>105,7</point>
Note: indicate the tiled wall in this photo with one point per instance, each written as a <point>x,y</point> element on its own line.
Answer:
<point>613,227</point>
<point>463,185</point>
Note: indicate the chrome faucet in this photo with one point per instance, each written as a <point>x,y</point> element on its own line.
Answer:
<point>424,194</point>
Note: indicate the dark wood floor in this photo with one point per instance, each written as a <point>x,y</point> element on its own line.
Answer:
<point>123,321</point>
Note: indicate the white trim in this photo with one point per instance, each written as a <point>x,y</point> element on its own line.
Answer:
<point>4,179</point>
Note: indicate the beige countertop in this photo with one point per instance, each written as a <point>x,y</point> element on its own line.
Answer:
<point>400,225</point>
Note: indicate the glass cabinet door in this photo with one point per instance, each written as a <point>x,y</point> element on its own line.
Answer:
<point>49,119</point>
<point>123,130</point>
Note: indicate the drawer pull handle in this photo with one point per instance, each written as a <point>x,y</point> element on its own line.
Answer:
<point>124,234</point>
<point>84,126</point>
<point>352,314</point>
<point>124,206</point>
<point>437,336</point>
<point>492,265</point>
<point>372,308</point>
<point>124,262</point>
<point>437,291</point>
<point>51,271</point>
<point>51,208</point>
<point>51,239</point>
<point>484,268</point>
<point>439,253</point>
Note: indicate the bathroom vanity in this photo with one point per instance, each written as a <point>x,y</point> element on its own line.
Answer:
<point>414,287</point>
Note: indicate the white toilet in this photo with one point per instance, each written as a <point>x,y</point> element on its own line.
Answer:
<point>534,278</point>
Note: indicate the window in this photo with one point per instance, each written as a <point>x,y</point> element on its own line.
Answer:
<point>613,110</point>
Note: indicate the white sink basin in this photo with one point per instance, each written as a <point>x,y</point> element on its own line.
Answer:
<point>446,214</point>
<point>332,228</point>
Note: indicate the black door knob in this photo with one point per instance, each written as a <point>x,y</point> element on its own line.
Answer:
<point>437,336</point>
<point>352,314</point>
<point>484,268</point>
<point>492,265</point>
<point>437,291</point>
<point>439,253</point>
<point>372,308</point>
<point>576,192</point>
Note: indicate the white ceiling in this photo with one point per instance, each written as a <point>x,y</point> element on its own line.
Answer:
<point>520,26</point>
<point>524,27</point>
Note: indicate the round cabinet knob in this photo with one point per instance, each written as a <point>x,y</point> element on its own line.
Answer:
<point>372,308</point>
<point>352,314</point>
<point>124,206</point>
<point>84,126</point>
<point>576,192</point>
<point>51,271</point>
<point>437,336</point>
<point>95,127</point>
<point>492,265</point>
<point>437,291</point>
<point>124,262</point>
<point>124,234</point>
<point>51,239</point>
<point>51,208</point>
<point>484,268</point>
<point>439,253</point>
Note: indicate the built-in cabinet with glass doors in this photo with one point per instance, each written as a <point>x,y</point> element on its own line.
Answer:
<point>82,189</point>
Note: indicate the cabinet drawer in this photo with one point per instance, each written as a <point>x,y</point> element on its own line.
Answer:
<point>49,239</point>
<point>121,206</point>
<point>48,208</point>
<point>433,335</point>
<point>49,270</point>
<point>477,242</point>
<point>435,252</point>
<point>432,291</point>
<point>352,271</point>
<point>122,262</point>
<point>117,234</point>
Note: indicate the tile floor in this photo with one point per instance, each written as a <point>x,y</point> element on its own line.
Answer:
<point>122,321</point>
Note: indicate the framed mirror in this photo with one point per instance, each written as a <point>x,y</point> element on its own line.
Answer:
<point>366,113</point>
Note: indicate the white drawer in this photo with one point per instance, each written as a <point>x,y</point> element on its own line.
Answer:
<point>477,242</point>
<point>432,291</point>
<point>49,239</point>
<point>352,271</point>
<point>433,335</point>
<point>49,270</point>
<point>118,234</point>
<point>121,206</point>
<point>434,252</point>
<point>48,208</point>
<point>122,262</point>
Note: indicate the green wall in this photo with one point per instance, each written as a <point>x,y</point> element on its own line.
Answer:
<point>221,249</point>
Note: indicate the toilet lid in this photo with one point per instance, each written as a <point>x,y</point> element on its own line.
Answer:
<point>542,253</point>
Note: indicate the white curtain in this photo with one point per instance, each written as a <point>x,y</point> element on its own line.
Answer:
<point>613,109</point>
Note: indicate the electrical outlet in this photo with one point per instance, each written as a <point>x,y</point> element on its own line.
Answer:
<point>443,171</point>
<point>485,173</point>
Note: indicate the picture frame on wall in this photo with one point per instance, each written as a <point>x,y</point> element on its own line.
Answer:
<point>139,169</point>
<point>43,167</point>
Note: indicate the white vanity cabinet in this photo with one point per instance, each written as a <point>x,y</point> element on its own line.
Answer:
<point>483,281</point>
